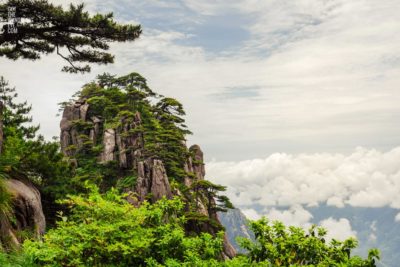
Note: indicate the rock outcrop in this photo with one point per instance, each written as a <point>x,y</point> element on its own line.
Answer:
<point>69,134</point>
<point>152,181</point>
<point>124,143</point>
<point>195,165</point>
<point>26,213</point>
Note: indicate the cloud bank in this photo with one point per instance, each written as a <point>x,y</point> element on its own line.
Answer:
<point>282,186</point>
<point>365,178</point>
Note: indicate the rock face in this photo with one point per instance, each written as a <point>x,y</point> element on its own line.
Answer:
<point>197,162</point>
<point>122,144</point>
<point>125,145</point>
<point>152,180</point>
<point>26,209</point>
<point>195,165</point>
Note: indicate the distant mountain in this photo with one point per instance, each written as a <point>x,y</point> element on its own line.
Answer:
<point>236,224</point>
<point>374,227</point>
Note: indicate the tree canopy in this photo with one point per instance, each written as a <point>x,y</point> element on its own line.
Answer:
<point>279,245</point>
<point>73,33</point>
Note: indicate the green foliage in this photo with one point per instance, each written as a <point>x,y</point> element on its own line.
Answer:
<point>15,115</point>
<point>105,230</point>
<point>16,260</point>
<point>5,199</point>
<point>25,156</point>
<point>211,192</point>
<point>46,28</point>
<point>127,182</point>
<point>18,143</point>
<point>278,245</point>
<point>171,136</point>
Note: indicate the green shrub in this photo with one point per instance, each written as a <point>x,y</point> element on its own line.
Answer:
<point>278,245</point>
<point>16,260</point>
<point>105,230</point>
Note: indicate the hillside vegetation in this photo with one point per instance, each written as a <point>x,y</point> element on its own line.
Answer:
<point>124,190</point>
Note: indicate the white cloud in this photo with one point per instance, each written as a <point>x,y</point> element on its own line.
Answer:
<point>296,216</point>
<point>157,47</point>
<point>338,229</point>
<point>373,236</point>
<point>365,178</point>
<point>397,218</point>
<point>251,214</point>
<point>335,201</point>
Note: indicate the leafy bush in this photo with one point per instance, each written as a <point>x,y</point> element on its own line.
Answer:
<point>16,260</point>
<point>105,230</point>
<point>278,245</point>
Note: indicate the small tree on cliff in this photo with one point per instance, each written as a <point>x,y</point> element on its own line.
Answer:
<point>211,192</point>
<point>45,28</point>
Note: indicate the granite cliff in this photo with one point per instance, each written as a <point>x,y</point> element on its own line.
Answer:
<point>124,143</point>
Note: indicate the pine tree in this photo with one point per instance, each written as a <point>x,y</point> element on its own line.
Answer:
<point>26,154</point>
<point>15,115</point>
<point>73,34</point>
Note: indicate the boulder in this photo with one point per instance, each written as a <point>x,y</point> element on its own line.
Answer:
<point>26,215</point>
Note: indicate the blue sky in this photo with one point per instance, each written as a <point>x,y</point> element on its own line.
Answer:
<point>256,77</point>
<point>284,85</point>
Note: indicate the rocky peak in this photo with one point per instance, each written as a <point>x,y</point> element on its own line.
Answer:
<point>124,143</point>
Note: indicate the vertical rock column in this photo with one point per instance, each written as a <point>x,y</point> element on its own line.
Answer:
<point>195,164</point>
<point>108,146</point>
<point>152,180</point>
<point>69,134</point>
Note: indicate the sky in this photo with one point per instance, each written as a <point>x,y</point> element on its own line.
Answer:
<point>278,93</point>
